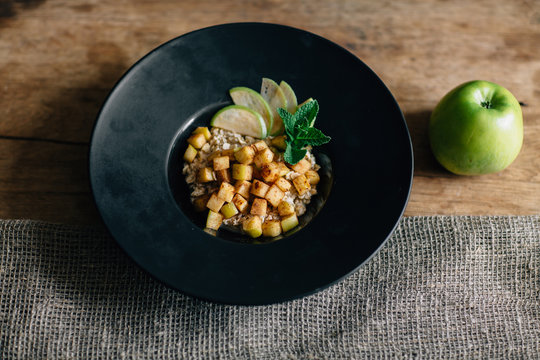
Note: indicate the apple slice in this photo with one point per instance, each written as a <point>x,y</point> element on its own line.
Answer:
<point>292,103</point>
<point>275,97</point>
<point>250,98</point>
<point>304,102</point>
<point>240,119</point>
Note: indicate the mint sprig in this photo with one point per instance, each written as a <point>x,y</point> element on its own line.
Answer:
<point>300,131</point>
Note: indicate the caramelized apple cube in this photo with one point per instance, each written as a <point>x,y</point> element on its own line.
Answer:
<point>257,173</point>
<point>215,203</point>
<point>274,195</point>
<point>263,157</point>
<point>258,207</point>
<point>221,162</point>
<point>205,175</point>
<point>313,177</point>
<point>214,219</point>
<point>229,210</point>
<point>203,130</point>
<point>223,175</point>
<point>253,226</point>
<point>190,153</point>
<point>229,153</point>
<point>259,188</point>
<point>259,145</point>
<point>301,184</point>
<point>289,222</point>
<point>271,228</point>
<point>269,172</point>
<point>302,166</point>
<point>214,155</point>
<point>226,192</point>
<point>242,172</point>
<point>279,142</point>
<point>283,184</point>
<point>283,169</point>
<point>245,155</point>
<point>197,140</point>
<point>285,208</point>
<point>242,187</point>
<point>240,202</point>
<point>200,203</point>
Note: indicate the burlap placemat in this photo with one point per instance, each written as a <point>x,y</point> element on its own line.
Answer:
<point>442,287</point>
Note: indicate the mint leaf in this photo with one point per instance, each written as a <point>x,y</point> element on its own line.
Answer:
<point>312,136</point>
<point>300,131</point>
<point>288,121</point>
<point>308,111</point>
<point>293,155</point>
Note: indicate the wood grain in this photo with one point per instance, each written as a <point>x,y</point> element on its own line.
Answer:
<point>59,59</point>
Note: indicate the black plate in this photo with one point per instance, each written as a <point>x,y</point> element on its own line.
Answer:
<point>135,164</point>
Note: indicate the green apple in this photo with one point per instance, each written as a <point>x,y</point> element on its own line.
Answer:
<point>240,119</point>
<point>250,98</point>
<point>274,95</point>
<point>292,103</point>
<point>477,128</point>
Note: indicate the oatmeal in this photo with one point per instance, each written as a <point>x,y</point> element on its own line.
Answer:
<point>238,178</point>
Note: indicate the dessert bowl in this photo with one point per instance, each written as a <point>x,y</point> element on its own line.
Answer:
<point>136,150</point>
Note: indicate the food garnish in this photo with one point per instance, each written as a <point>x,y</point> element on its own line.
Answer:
<point>300,131</point>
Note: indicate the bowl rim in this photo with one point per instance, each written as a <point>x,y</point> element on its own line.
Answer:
<point>297,295</point>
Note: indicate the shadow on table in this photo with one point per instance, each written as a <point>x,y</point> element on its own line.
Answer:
<point>48,142</point>
<point>425,163</point>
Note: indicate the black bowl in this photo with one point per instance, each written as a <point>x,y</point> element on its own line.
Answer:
<point>135,163</point>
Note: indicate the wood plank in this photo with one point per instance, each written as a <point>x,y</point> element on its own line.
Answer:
<point>59,60</point>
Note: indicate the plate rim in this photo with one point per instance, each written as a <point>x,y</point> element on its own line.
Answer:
<point>297,295</point>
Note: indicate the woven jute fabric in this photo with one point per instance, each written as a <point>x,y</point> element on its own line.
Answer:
<point>441,287</point>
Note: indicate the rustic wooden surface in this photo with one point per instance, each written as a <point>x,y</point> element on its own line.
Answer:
<point>59,59</point>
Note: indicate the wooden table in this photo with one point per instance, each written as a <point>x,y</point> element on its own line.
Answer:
<point>59,59</point>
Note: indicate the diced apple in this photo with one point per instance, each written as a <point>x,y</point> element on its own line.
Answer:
<point>263,157</point>
<point>289,222</point>
<point>240,202</point>
<point>271,228</point>
<point>226,192</point>
<point>205,148</point>
<point>214,155</point>
<point>242,172</point>
<point>229,153</point>
<point>269,172</point>
<point>242,187</point>
<point>285,208</point>
<point>214,219</point>
<point>253,226</point>
<point>245,155</point>
<point>224,175</point>
<point>259,145</point>
<point>258,207</point>
<point>302,166</point>
<point>301,184</point>
<point>229,210</point>
<point>313,177</point>
<point>197,140</point>
<point>221,163</point>
<point>215,203</point>
<point>283,184</point>
<point>259,188</point>
<point>279,142</point>
<point>283,169</point>
<point>274,195</point>
<point>200,203</point>
<point>190,153</point>
<point>203,130</point>
<point>205,175</point>
<point>257,173</point>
